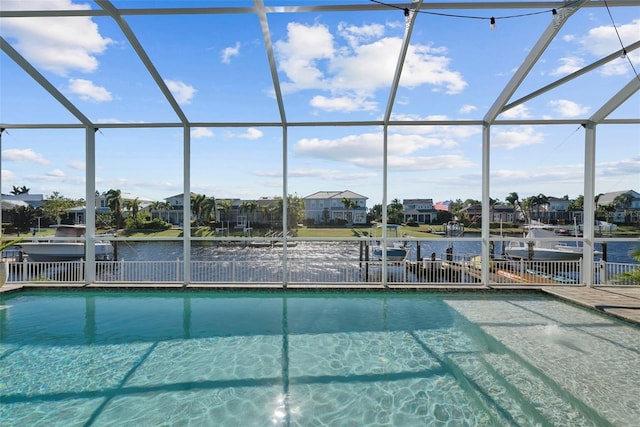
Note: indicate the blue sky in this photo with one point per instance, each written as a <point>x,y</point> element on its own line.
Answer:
<point>332,66</point>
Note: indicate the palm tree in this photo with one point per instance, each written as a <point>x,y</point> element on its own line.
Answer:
<point>20,190</point>
<point>133,206</point>
<point>513,198</point>
<point>295,210</point>
<point>624,201</point>
<point>208,208</point>
<point>113,198</point>
<point>607,211</point>
<point>277,209</point>
<point>395,214</point>
<point>265,211</point>
<point>156,206</point>
<point>197,201</point>
<point>631,277</point>
<point>225,206</point>
<point>536,202</point>
<point>349,205</point>
<point>514,201</point>
<point>250,207</point>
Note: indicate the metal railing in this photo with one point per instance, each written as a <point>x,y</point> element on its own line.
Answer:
<point>51,272</point>
<point>317,262</point>
<point>457,270</point>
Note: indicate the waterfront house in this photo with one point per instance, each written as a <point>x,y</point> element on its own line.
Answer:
<point>559,211</point>
<point>620,213</point>
<point>421,211</point>
<point>327,207</point>
<point>503,214</point>
<point>33,200</point>
<point>175,212</point>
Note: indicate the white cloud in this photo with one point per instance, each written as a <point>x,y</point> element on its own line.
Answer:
<point>25,155</point>
<point>57,173</point>
<point>201,133</point>
<point>76,164</point>
<point>300,53</point>
<point>448,134</point>
<point>619,168</point>
<point>568,65</point>
<point>517,112</point>
<point>8,175</point>
<point>250,133</point>
<point>342,103</point>
<point>566,108</point>
<point>181,91</point>
<point>516,137</point>
<point>467,108</point>
<point>311,59</point>
<point>365,150</point>
<point>88,91</point>
<point>57,44</point>
<point>230,52</point>
<point>357,34</point>
<point>318,173</point>
<point>57,176</point>
<point>602,41</point>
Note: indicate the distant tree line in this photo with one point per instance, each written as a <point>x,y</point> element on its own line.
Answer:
<point>209,211</point>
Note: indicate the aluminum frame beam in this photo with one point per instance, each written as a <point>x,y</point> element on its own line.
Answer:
<point>266,34</point>
<point>532,58</point>
<point>303,8</point>
<point>42,81</point>
<point>142,54</point>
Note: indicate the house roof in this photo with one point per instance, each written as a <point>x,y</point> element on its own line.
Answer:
<point>414,201</point>
<point>608,198</point>
<point>335,195</point>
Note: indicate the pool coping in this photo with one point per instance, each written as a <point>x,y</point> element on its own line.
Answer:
<point>617,301</point>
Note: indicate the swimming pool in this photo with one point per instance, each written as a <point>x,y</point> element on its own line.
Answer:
<point>248,359</point>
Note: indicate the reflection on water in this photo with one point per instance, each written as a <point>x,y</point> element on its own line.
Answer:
<point>320,251</point>
<point>305,358</point>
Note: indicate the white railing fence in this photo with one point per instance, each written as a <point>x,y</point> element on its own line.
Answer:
<point>53,272</point>
<point>448,270</point>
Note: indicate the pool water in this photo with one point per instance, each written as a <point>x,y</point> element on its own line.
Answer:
<point>303,359</point>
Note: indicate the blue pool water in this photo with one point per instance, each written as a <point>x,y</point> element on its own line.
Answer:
<point>336,359</point>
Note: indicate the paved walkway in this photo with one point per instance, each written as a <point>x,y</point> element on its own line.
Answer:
<point>617,301</point>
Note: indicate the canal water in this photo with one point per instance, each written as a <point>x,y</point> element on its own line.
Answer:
<point>319,251</point>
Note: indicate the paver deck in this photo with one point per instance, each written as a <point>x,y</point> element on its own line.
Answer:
<point>617,301</point>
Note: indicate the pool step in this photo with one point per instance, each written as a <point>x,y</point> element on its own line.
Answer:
<point>516,396</point>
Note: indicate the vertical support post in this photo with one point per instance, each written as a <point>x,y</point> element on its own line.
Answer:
<point>589,203</point>
<point>90,207</point>
<point>486,204</point>
<point>1,131</point>
<point>186,203</point>
<point>385,218</point>
<point>285,206</point>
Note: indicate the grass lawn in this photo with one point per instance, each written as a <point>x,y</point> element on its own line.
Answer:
<point>422,232</point>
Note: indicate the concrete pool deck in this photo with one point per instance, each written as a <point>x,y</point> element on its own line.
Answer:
<point>617,301</point>
<point>621,302</point>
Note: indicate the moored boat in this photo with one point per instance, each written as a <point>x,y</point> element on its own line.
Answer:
<point>540,246</point>
<point>395,251</point>
<point>66,245</point>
